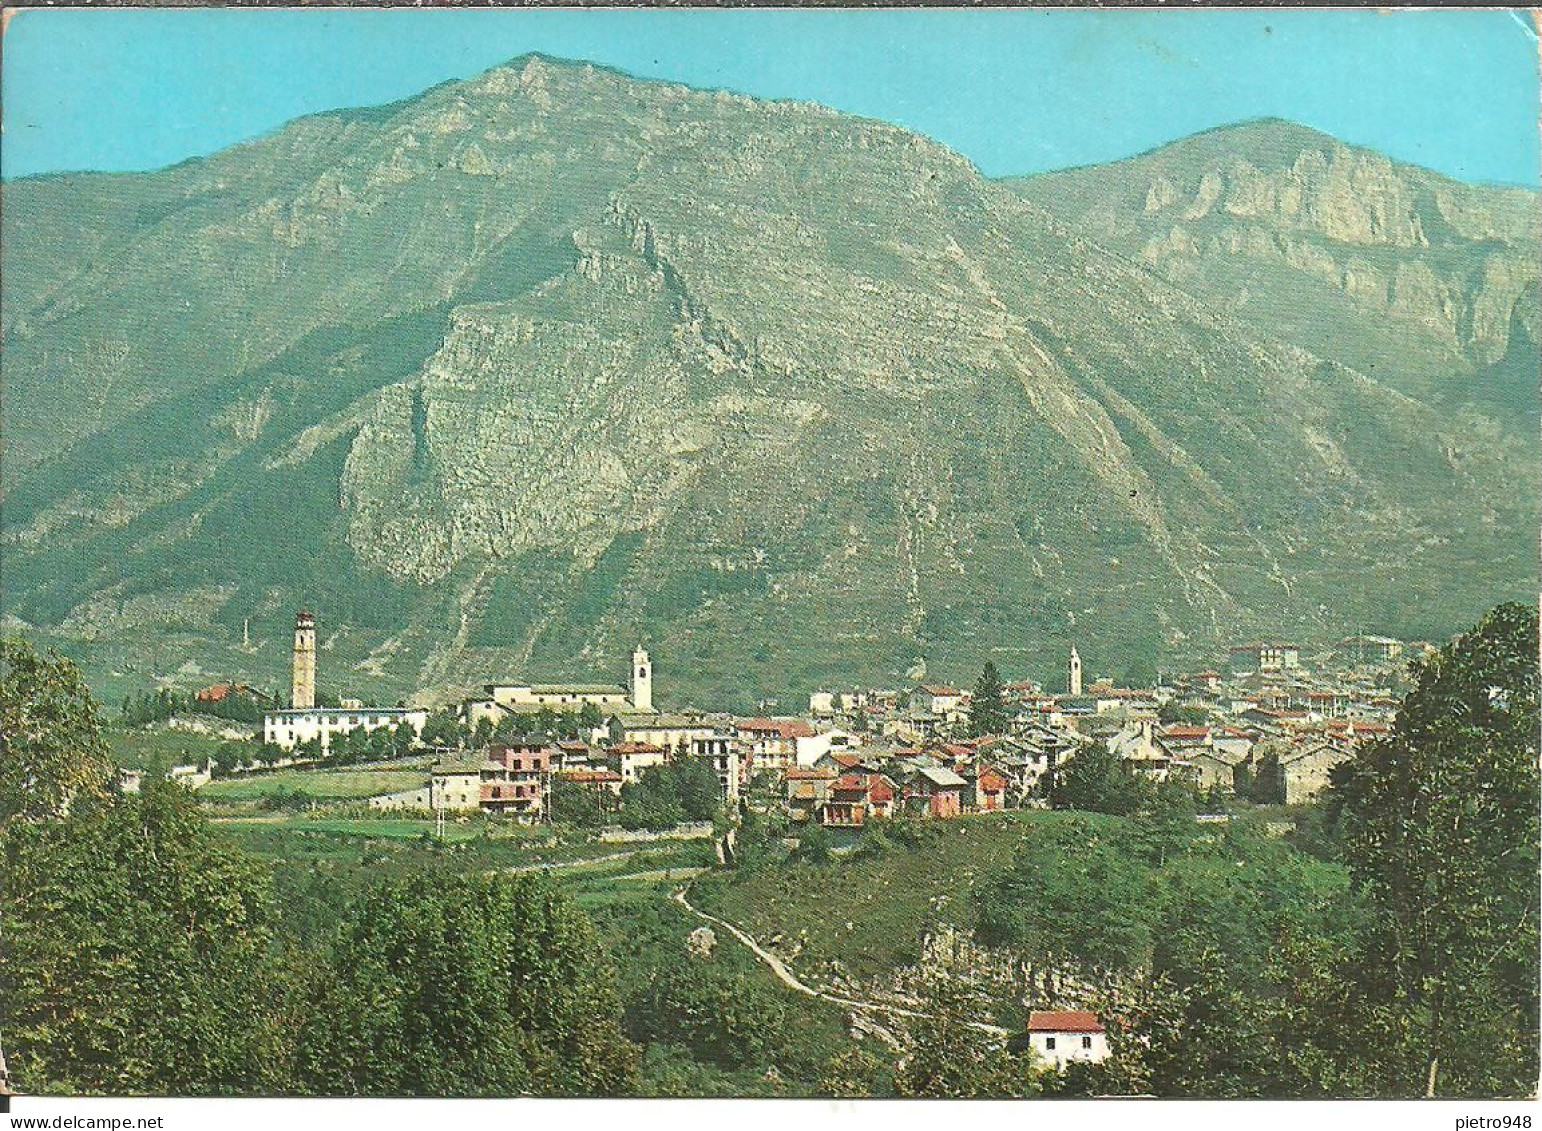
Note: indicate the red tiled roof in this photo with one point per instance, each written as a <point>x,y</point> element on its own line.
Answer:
<point>1063,1021</point>
<point>587,777</point>
<point>808,775</point>
<point>782,728</point>
<point>636,748</point>
<point>219,691</point>
<point>990,780</point>
<point>1185,732</point>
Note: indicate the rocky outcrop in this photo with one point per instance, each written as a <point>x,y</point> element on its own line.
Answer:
<point>1235,214</point>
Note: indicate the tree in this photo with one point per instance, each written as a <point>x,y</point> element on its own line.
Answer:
<point>1164,825</point>
<point>467,986</point>
<point>723,1018</point>
<point>1097,780</point>
<point>696,784</point>
<point>584,806</point>
<point>949,1056</point>
<point>1440,830</point>
<point>1072,873</point>
<point>137,954</point>
<point>51,747</point>
<point>682,790</point>
<point>987,706</point>
<point>1189,714</point>
<point>814,844</point>
<point>227,756</point>
<point>442,729</point>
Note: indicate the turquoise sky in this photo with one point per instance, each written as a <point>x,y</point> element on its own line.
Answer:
<point>1016,92</point>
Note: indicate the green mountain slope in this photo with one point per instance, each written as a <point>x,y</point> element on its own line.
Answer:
<point>513,374</point>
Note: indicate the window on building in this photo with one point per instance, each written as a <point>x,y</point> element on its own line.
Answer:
<point>1049,1043</point>
<point>1086,1042</point>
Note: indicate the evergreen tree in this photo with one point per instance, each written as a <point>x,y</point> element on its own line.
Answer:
<point>987,706</point>
<point>1095,779</point>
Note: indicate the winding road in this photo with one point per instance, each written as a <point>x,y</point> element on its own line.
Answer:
<point>788,978</point>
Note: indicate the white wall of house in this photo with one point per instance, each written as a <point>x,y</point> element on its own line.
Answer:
<point>1060,1049</point>
<point>456,792</point>
<point>289,729</point>
<point>814,747</point>
<point>405,799</point>
<point>632,765</point>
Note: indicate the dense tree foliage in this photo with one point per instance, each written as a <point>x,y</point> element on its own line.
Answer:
<point>1095,780</point>
<point>238,706</point>
<point>1440,829</point>
<point>464,986</point>
<point>586,806</point>
<point>51,747</point>
<point>685,789</point>
<point>724,1018</point>
<point>136,954</point>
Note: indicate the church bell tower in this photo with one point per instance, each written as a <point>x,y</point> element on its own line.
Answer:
<point>642,680</point>
<point>303,693</point>
<point>1074,673</point>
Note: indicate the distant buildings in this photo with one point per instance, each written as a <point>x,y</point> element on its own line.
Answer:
<point>501,699</point>
<point>1266,725</point>
<point>1263,656</point>
<point>290,728</point>
<point>305,722</point>
<point>1370,649</point>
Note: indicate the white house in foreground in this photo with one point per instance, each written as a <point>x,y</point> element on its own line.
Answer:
<point>1060,1036</point>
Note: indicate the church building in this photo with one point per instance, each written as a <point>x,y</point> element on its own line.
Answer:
<point>611,698</point>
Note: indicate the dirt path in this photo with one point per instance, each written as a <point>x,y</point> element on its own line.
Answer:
<point>788,978</point>
<point>582,860</point>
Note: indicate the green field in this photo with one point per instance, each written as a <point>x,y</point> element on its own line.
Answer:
<point>324,785</point>
<point>156,751</point>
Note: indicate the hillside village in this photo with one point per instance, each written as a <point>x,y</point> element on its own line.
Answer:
<point>1269,727</point>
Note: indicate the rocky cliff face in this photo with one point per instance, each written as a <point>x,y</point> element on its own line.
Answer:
<point>533,366</point>
<point>1393,269</point>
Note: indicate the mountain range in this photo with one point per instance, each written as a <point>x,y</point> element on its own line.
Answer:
<point>514,374</point>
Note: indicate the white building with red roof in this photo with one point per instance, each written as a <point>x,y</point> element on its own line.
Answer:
<point>1059,1036</point>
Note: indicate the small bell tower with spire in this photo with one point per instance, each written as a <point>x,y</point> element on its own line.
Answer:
<point>1073,680</point>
